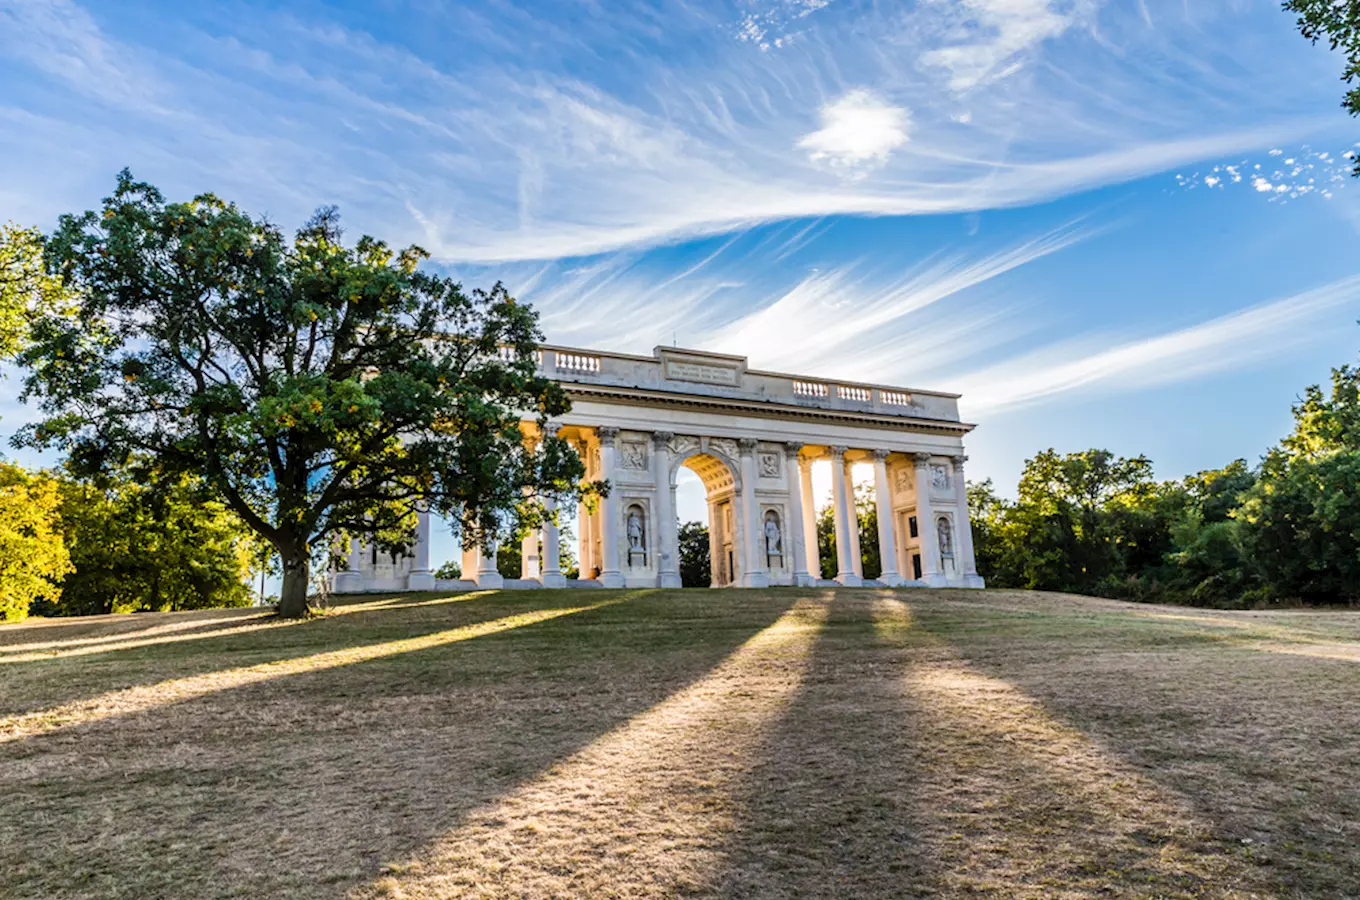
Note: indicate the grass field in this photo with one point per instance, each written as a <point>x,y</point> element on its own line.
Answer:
<point>757,744</point>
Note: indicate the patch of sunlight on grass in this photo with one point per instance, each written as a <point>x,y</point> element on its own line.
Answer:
<point>1338,651</point>
<point>1018,797</point>
<point>144,697</point>
<point>256,624</point>
<point>120,636</point>
<point>640,812</point>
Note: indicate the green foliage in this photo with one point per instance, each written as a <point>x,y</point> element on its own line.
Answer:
<point>33,556</point>
<point>1338,23</point>
<point>27,290</point>
<point>139,542</point>
<point>695,562</point>
<point>866,515</point>
<point>321,390</point>
<point>450,571</point>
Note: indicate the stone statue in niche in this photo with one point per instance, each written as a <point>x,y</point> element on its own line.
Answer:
<point>939,477</point>
<point>904,477</point>
<point>769,465</point>
<point>636,535</point>
<point>634,455</point>
<point>773,539</point>
<point>946,538</point>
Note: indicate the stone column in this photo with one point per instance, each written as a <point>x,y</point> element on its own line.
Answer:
<point>610,576</point>
<point>715,561</point>
<point>583,540</point>
<point>351,580</point>
<point>810,547</point>
<point>845,567</point>
<point>552,547</point>
<point>925,523</point>
<point>964,526</point>
<point>422,576</point>
<point>795,528</point>
<point>529,569</point>
<point>488,577</point>
<point>856,552</point>
<point>887,544</point>
<point>472,561</point>
<point>755,571</point>
<point>667,528</point>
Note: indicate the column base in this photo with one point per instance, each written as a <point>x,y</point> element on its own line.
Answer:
<point>348,582</point>
<point>892,579</point>
<point>803,579</point>
<point>755,580</point>
<point>611,580</point>
<point>420,580</point>
<point>554,580</point>
<point>490,581</point>
<point>974,581</point>
<point>669,580</point>
<point>849,579</point>
<point>935,579</point>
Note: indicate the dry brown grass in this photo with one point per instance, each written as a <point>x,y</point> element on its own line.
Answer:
<point>700,743</point>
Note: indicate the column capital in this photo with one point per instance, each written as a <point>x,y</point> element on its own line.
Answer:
<point>747,445</point>
<point>551,429</point>
<point>792,449</point>
<point>662,439</point>
<point>959,459</point>
<point>882,454</point>
<point>837,451</point>
<point>607,434</point>
<point>922,459</point>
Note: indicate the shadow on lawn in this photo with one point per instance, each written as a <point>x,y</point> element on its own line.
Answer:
<point>895,772</point>
<point>1259,746</point>
<point>305,785</point>
<point>94,670</point>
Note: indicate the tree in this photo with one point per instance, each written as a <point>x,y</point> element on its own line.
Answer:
<point>141,542</point>
<point>695,563</point>
<point>450,571</point>
<point>33,556</point>
<point>323,391</point>
<point>1339,24</point>
<point>27,290</point>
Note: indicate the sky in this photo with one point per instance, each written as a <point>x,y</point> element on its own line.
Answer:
<point>1126,225</point>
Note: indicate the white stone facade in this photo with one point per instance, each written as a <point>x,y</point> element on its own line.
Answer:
<point>751,437</point>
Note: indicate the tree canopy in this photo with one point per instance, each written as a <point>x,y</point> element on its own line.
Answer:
<point>321,390</point>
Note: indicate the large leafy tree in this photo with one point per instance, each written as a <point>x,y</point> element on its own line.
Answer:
<point>322,390</point>
<point>695,563</point>
<point>27,290</point>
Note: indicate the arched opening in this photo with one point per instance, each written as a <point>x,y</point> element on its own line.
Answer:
<point>715,519</point>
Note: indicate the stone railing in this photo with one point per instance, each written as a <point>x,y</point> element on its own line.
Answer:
<point>673,370</point>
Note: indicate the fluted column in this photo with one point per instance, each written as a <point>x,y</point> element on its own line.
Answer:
<point>488,577</point>
<point>755,570</point>
<point>845,567</point>
<point>810,545</point>
<point>964,526</point>
<point>856,552</point>
<point>715,549</point>
<point>351,579</point>
<point>887,544</point>
<point>610,576</point>
<point>795,528</point>
<point>667,529</point>
<point>925,523</point>
<point>422,576</point>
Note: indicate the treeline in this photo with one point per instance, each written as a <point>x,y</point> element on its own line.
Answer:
<point>1284,531</point>
<point>126,542</point>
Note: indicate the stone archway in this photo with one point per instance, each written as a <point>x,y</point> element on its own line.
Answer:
<point>722,484</point>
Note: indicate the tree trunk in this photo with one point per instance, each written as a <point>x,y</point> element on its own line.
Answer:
<point>293,593</point>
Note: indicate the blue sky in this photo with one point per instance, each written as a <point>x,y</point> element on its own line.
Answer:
<point>1124,225</point>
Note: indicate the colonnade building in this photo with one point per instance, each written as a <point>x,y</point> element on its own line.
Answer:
<point>752,437</point>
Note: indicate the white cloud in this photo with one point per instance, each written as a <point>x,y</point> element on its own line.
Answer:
<point>858,128</point>
<point>987,38</point>
<point>1222,344</point>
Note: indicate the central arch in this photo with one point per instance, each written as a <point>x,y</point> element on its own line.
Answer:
<point>722,485</point>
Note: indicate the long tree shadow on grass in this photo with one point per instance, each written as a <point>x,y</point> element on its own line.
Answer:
<point>896,772</point>
<point>1259,745</point>
<point>304,786</point>
<point>46,683</point>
